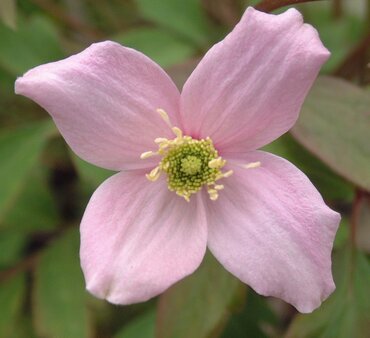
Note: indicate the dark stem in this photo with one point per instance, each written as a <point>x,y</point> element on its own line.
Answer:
<point>337,8</point>
<point>40,240</point>
<point>353,58</point>
<point>25,265</point>
<point>270,5</point>
<point>226,12</point>
<point>355,215</point>
<point>57,12</point>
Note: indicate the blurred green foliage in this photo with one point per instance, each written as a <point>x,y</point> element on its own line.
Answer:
<point>44,187</point>
<point>347,312</point>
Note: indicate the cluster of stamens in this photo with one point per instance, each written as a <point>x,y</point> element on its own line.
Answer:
<point>189,164</point>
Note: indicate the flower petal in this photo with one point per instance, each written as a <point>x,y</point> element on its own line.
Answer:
<point>104,102</point>
<point>249,88</point>
<point>271,229</point>
<point>138,238</point>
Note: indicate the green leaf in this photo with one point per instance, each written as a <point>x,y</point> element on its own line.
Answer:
<point>33,43</point>
<point>19,151</point>
<point>141,327</point>
<point>347,312</point>
<point>12,243</point>
<point>159,44</point>
<point>338,34</point>
<point>59,299</point>
<point>334,125</point>
<point>253,320</point>
<point>35,208</point>
<point>200,304</point>
<point>328,183</point>
<point>183,17</point>
<point>12,292</point>
<point>23,329</point>
<point>8,13</point>
<point>342,235</point>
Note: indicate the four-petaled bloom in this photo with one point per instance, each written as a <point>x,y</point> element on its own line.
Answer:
<point>190,174</point>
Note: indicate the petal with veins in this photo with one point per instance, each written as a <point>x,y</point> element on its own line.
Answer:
<point>249,88</point>
<point>104,100</point>
<point>273,231</point>
<point>138,238</point>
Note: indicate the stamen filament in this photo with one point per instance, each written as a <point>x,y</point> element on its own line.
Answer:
<point>177,132</point>
<point>164,116</point>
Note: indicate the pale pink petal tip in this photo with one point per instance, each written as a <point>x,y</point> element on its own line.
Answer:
<point>137,239</point>
<point>275,233</point>
<point>104,101</point>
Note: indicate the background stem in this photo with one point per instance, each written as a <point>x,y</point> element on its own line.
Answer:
<point>270,5</point>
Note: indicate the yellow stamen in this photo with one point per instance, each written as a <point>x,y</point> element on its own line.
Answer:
<point>188,163</point>
<point>217,163</point>
<point>159,140</point>
<point>213,194</point>
<point>164,115</point>
<point>148,154</point>
<point>185,196</point>
<point>154,174</point>
<point>227,173</point>
<point>177,132</point>
<point>252,165</point>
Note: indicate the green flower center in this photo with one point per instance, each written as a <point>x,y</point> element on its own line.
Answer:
<point>189,164</point>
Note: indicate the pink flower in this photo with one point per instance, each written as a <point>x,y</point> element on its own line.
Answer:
<point>257,213</point>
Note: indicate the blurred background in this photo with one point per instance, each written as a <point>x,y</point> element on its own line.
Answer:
<point>44,187</point>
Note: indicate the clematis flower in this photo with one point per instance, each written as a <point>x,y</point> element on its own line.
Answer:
<point>189,172</point>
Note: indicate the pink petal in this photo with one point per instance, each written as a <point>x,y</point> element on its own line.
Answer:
<point>271,229</point>
<point>104,102</point>
<point>138,238</point>
<point>249,88</point>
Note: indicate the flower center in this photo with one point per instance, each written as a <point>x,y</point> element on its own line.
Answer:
<point>189,164</point>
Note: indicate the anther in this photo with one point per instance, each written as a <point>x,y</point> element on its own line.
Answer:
<point>185,196</point>
<point>216,163</point>
<point>227,173</point>
<point>163,114</point>
<point>252,165</point>
<point>160,140</point>
<point>213,194</point>
<point>154,174</point>
<point>148,154</point>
